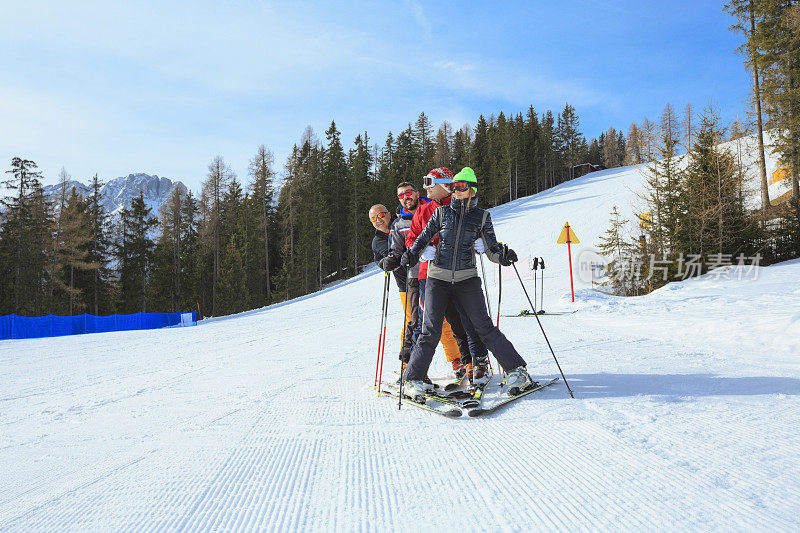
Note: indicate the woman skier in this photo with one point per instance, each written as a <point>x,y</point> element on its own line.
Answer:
<point>453,275</point>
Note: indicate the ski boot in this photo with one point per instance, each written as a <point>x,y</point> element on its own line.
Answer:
<point>458,369</point>
<point>416,390</point>
<point>518,381</point>
<point>479,373</point>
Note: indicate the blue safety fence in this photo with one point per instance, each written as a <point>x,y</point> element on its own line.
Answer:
<point>30,327</point>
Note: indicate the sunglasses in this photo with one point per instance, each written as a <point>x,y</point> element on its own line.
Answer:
<point>460,186</point>
<point>408,194</point>
<point>376,217</point>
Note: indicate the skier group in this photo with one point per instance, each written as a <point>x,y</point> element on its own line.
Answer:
<point>430,247</point>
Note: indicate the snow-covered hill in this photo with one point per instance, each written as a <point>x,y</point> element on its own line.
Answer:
<point>118,192</point>
<point>685,417</point>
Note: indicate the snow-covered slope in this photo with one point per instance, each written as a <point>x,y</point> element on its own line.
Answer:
<point>685,418</point>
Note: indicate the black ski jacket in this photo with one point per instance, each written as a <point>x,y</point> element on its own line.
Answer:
<point>380,249</point>
<point>458,225</point>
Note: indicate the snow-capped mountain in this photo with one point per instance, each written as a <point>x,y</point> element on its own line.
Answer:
<point>119,192</point>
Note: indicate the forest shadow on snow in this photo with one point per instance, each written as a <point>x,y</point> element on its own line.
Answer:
<point>589,386</point>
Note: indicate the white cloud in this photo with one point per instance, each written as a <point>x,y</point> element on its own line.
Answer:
<point>422,20</point>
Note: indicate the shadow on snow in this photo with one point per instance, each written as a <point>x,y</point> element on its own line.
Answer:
<point>677,386</point>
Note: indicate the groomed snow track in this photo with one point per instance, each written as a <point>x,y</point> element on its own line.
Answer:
<point>685,418</point>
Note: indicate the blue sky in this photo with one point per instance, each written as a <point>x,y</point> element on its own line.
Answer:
<point>163,87</point>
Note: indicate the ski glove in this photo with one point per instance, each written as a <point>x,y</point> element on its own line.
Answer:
<point>389,263</point>
<point>409,259</point>
<point>428,253</point>
<point>507,255</point>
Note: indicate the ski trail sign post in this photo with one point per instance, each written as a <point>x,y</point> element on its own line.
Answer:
<point>568,237</point>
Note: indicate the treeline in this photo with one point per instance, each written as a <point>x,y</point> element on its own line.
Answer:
<point>239,246</point>
<point>696,217</point>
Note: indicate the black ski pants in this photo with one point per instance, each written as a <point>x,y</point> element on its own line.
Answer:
<point>468,296</point>
<point>465,339</point>
<point>412,313</point>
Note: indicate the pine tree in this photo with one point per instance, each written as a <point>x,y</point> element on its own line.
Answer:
<point>72,249</point>
<point>744,11</point>
<point>713,214</point>
<point>360,163</point>
<point>777,45</point>
<point>462,148</point>
<point>288,200</point>
<point>480,153</point>
<point>422,137</point>
<point>334,181</point>
<point>98,295</point>
<point>613,149</point>
<point>443,152</point>
<point>663,184</point>
<point>262,189</point>
<point>168,254</point>
<point>615,246</point>
<point>406,157</point>
<point>26,238</point>
<point>233,286</point>
<point>134,252</point>
<point>569,139</point>
<point>191,257</point>
<point>548,150</point>
<point>788,234</point>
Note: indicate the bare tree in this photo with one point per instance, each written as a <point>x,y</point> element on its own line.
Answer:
<point>219,174</point>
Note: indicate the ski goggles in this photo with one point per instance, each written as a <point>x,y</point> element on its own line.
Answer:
<point>460,186</point>
<point>378,216</point>
<point>429,181</point>
<point>407,194</point>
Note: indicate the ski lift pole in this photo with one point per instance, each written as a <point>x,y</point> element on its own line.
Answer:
<point>543,333</point>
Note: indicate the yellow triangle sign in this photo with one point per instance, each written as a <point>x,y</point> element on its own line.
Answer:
<point>567,236</point>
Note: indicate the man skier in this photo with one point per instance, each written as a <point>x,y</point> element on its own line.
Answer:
<point>410,203</point>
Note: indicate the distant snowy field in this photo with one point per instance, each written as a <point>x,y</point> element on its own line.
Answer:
<point>686,414</point>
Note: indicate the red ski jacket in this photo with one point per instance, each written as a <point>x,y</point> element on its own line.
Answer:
<point>418,223</point>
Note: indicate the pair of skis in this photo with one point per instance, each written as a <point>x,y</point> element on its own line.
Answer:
<point>527,312</point>
<point>453,408</point>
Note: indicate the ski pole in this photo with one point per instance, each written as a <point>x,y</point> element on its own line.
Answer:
<point>405,325</point>
<point>499,299</point>
<point>543,333</point>
<point>486,288</point>
<point>382,330</point>
<point>535,269</point>
<point>541,307</point>
<point>499,291</point>
<point>383,340</point>
<point>488,307</point>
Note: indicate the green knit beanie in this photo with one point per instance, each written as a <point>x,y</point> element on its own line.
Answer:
<point>468,175</point>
